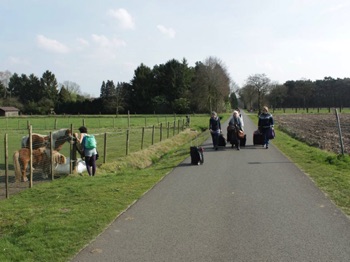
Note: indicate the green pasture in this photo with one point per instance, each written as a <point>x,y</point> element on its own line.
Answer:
<point>53,221</point>
<point>116,136</point>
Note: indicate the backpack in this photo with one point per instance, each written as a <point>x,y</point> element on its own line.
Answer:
<point>90,142</point>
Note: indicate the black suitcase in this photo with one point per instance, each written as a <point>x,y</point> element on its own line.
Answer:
<point>243,140</point>
<point>258,138</point>
<point>197,156</point>
<point>222,140</point>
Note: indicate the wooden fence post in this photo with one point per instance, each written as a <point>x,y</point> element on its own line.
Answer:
<point>160,132</point>
<point>142,137</point>
<point>30,157</point>
<point>52,160</point>
<point>152,134</point>
<point>6,166</point>
<point>127,141</point>
<point>105,149</point>
<point>73,153</point>
<point>340,133</point>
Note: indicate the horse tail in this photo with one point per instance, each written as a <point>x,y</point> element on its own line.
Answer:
<point>17,166</point>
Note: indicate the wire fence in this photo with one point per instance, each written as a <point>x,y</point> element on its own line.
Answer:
<point>48,163</point>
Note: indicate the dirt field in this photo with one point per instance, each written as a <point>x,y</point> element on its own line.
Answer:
<point>319,130</point>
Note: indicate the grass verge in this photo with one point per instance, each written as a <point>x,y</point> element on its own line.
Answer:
<point>329,171</point>
<point>53,221</point>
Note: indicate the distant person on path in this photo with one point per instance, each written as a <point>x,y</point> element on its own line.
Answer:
<point>234,126</point>
<point>215,129</point>
<point>89,149</point>
<point>265,123</point>
<point>241,117</point>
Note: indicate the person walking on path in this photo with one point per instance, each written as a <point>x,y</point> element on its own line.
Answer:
<point>265,123</point>
<point>241,117</point>
<point>215,129</point>
<point>234,126</point>
<point>90,151</point>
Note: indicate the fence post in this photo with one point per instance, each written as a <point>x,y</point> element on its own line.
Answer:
<point>174,127</point>
<point>72,155</point>
<point>127,141</point>
<point>52,160</point>
<point>152,134</point>
<point>128,119</point>
<point>30,157</point>
<point>340,133</point>
<point>160,132</point>
<point>6,166</point>
<point>178,126</point>
<point>105,149</point>
<point>142,137</point>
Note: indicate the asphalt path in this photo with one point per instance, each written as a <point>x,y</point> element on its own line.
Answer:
<point>247,205</point>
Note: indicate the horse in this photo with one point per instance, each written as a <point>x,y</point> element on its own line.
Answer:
<point>59,138</point>
<point>38,141</point>
<point>41,159</point>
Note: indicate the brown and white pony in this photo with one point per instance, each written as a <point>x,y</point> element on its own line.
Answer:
<point>41,159</point>
<point>59,138</point>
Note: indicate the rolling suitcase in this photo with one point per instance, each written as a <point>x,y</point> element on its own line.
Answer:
<point>197,156</point>
<point>243,140</point>
<point>222,140</point>
<point>258,138</point>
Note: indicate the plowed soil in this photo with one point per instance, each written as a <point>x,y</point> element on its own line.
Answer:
<point>318,130</point>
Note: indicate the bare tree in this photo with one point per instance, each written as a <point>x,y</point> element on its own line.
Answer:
<point>72,88</point>
<point>261,84</point>
<point>247,95</point>
<point>216,83</point>
<point>5,79</point>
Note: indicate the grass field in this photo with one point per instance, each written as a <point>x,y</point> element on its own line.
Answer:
<point>53,221</point>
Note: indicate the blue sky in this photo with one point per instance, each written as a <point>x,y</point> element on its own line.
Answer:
<point>89,41</point>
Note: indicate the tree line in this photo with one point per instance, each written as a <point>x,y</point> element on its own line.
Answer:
<point>173,87</point>
<point>259,90</point>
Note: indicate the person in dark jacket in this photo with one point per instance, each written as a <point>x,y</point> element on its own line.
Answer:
<point>234,126</point>
<point>265,123</point>
<point>215,129</point>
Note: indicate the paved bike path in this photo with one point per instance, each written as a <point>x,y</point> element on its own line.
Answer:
<point>247,205</point>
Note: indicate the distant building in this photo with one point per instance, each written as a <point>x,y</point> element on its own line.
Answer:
<point>9,111</point>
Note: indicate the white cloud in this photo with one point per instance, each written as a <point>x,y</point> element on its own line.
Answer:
<point>167,31</point>
<point>83,42</point>
<point>51,45</point>
<point>105,42</point>
<point>125,20</point>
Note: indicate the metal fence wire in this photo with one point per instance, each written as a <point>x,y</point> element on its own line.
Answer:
<point>55,156</point>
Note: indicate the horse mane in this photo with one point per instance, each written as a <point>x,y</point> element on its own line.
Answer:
<point>63,132</point>
<point>60,137</point>
<point>58,158</point>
